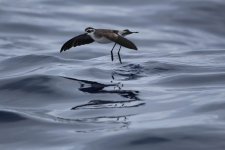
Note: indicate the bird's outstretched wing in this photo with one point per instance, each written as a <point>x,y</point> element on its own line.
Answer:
<point>120,40</point>
<point>77,41</point>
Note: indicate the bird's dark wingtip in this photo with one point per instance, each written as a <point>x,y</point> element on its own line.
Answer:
<point>63,48</point>
<point>135,48</point>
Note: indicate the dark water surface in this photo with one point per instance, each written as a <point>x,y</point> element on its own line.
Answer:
<point>168,95</point>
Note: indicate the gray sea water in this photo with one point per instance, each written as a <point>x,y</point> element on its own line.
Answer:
<point>168,95</point>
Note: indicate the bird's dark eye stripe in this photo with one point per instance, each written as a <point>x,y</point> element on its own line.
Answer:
<point>90,30</point>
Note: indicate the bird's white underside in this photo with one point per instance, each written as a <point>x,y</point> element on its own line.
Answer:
<point>102,40</point>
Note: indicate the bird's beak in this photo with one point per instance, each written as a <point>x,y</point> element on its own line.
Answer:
<point>130,32</point>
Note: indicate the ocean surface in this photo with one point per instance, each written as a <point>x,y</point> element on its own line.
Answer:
<point>168,95</point>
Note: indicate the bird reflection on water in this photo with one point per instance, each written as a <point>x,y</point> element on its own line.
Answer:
<point>95,88</point>
<point>116,121</point>
<point>107,104</point>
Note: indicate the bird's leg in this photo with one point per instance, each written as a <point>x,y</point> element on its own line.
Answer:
<point>119,55</point>
<point>112,51</point>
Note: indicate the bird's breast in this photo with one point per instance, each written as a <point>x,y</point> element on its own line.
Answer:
<point>103,40</point>
<point>100,39</point>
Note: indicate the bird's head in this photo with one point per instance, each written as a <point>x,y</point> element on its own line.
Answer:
<point>127,32</point>
<point>89,30</point>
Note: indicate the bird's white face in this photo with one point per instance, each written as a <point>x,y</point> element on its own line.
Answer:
<point>89,30</point>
